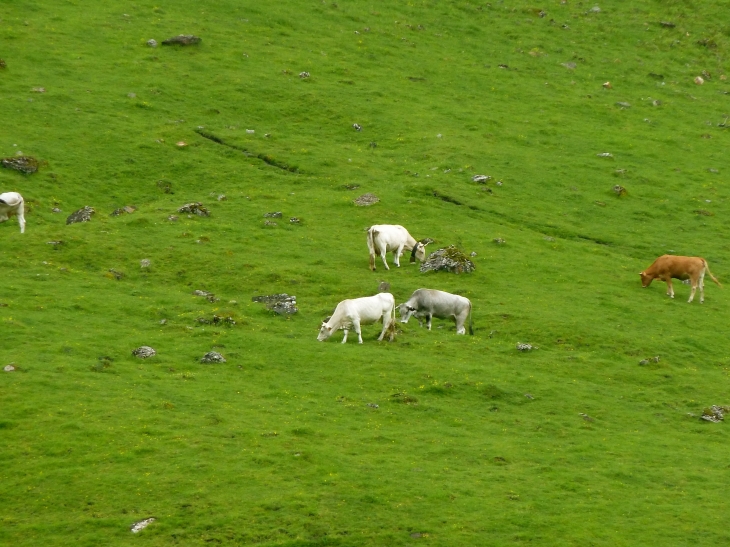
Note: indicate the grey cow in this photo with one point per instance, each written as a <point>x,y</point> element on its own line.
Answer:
<point>430,303</point>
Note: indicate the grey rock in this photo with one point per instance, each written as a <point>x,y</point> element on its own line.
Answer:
<point>9,368</point>
<point>145,263</point>
<point>521,346</point>
<point>569,66</point>
<point>366,200</point>
<point>481,179</point>
<point>195,208</point>
<point>24,164</point>
<point>143,352</point>
<point>715,413</point>
<point>56,210</point>
<point>208,295</point>
<point>294,220</point>
<point>619,190</point>
<point>448,259</point>
<point>181,40</point>
<point>152,42</point>
<point>623,104</point>
<point>82,215</point>
<point>212,357</point>
<point>283,304</point>
<point>277,214</point>
<point>357,127</point>
<point>142,524</point>
<point>499,241</point>
<point>304,75</point>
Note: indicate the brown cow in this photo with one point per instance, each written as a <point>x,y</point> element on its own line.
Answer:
<point>679,267</point>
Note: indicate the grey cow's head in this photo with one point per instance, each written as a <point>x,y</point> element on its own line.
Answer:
<point>406,312</point>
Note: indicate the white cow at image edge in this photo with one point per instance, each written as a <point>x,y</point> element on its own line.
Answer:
<point>432,303</point>
<point>384,238</point>
<point>11,203</point>
<point>352,313</point>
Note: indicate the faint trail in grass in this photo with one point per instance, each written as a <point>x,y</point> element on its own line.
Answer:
<point>263,157</point>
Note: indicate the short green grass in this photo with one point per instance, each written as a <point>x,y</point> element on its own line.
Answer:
<point>279,446</point>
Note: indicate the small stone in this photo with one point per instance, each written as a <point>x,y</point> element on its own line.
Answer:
<point>194,208</point>
<point>212,357</point>
<point>142,524</point>
<point>82,215</point>
<point>357,127</point>
<point>699,80</point>
<point>56,210</point>
<point>9,368</point>
<point>594,9</point>
<point>499,183</point>
<point>182,40</point>
<point>250,131</point>
<point>172,218</point>
<point>607,85</point>
<point>605,155</point>
<point>529,396</point>
<point>270,223</point>
<point>570,66</point>
<point>163,321</point>
<point>152,42</point>
<point>366,200</point>
<point>294,220</point>
<point>472,254</point>
<point>276,214</point>
<point>586,417</point>
<point>521,346</point>
<point>373,405</point>
<point>143,352</point>
<point>181,144</point>
<point>481,179</point>
<point>145,263</point>
<point>222,197</point>
<point>499,241</point>
<point>208,295</point>
<point>623,104</point>
<point>54,243</point>
<point>619,190</point>
<point>38,90</point>
<point>115,274</point>
<point>304,75</point>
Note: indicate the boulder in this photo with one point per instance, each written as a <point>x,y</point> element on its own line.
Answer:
<point>449,259</point>
<point>143,352</point>
<point>212,357</point>
<point>181,40</point>
<point>24,164</point>
<point>283,304</point>
<point>195,208</point>
<point>82,215</point>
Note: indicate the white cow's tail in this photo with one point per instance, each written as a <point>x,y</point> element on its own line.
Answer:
<point>371,248</point>
<point>471,329</point>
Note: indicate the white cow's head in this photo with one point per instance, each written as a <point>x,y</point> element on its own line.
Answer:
<point>325,332</point>
<point>418,252</point>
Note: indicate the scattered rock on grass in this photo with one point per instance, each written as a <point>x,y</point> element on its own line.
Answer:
<point>357,127</point>
<point>145,263</point>
<point>586,417</point>
<point>449,259</point>
<point>283,304</point>
<point>82,215</point>
<point>152,42</point>
<point>143,352</point>
<point>277,214</point>
<point>116,274</point>
<point>9,368</point>
<point>499,241</point>
<point>195,208</point>
<point>481,179</point>
<point>212,357</point>
<point>304,75</point>
<point>521,346</point>
<point>208,295</point>
<point>605,155</point>
<point>294,220</point>
<point>619,190</point>
<point>142,524</point>
<point>715,413</point>
<point>24,164</point>
<point>129,209</point>
<point>181,40</point>
<point>654,359</point>
<point>56,210</point>
<point>366,200</point>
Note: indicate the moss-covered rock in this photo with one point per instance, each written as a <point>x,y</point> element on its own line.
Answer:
<point>449,259</point>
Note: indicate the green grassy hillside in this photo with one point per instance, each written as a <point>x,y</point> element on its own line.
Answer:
<point>431,439</point>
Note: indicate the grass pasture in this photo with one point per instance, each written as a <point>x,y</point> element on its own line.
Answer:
<point>431,439</point>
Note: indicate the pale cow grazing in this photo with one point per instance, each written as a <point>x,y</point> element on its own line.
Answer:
<point>384,238</point>
<point>679,267</point>
<point>430,303</point>
<point>11,203</point>
<point>352,313</point>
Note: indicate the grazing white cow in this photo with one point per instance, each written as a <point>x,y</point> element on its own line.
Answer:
<point>351,313</point>
<point>383,238</point>
<point>432,303</point>
<point>692,268</point>
<point>11,203</point>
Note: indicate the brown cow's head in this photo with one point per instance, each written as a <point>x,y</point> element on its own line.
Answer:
<point>646,279</point>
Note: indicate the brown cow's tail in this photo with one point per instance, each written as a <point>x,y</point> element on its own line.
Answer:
<point>707,269</point>
<point>371,248</point>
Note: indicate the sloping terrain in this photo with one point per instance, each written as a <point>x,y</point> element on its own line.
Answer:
<point>432,439</point>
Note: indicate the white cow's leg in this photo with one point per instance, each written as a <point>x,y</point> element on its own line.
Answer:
<point>460,325</point>
<point>383,255</point>
<point>386,323</point>
<point>344,338</point>
<point>21,217</point>
<point>428,320</point>
<point>356,328</point>
<point>397,253</point>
